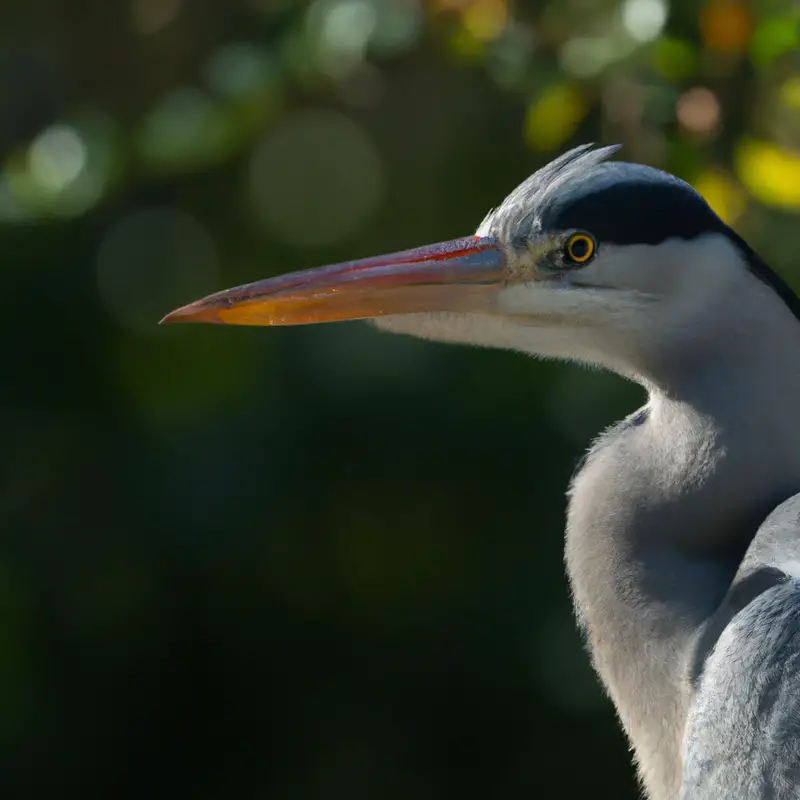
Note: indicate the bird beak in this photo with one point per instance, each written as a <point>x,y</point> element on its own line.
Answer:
<point>461,275</point>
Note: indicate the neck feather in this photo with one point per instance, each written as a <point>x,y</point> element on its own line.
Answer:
<point>663,511</point>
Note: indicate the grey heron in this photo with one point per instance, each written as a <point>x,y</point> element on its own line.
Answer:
<point>682,542</point>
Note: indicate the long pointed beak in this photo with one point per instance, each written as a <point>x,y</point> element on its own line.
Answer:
<point>460,275</point>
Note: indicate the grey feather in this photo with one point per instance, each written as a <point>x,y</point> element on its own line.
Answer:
<point>743,732</point>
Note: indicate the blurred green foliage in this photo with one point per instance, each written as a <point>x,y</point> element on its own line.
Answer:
<point>325,562</point>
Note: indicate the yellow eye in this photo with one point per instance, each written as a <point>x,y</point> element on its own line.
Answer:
<point>580,248</point>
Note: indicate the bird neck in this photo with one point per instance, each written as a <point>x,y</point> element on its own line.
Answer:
<point>660,518</point>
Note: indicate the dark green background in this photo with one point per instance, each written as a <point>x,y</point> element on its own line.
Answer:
<point>317,562</point>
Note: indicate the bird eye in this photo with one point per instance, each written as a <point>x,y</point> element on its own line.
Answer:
<point>579,248</point>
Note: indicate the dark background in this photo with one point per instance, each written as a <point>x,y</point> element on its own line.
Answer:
<point>319,562</point>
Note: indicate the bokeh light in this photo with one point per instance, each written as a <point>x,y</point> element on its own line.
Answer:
<point>674,59</point>
<point>241,70</point>
<point>56,158</point>
<point>151,261</point>
<point>699,112</point>
<point>585,56</point>
<point>771,173</point>
<point>485,20</point>
<point>66,170</point>
<point>725,26</point>
<point>186,130</point>
<point>316,179</point>
<point>722,193</point>
<point>774,37</point>
<point>554,116</point>
<point>644,19</point>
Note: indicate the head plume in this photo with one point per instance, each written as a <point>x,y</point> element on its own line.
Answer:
<point>518,211</point>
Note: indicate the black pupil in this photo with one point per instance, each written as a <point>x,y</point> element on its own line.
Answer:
<point>579,248</point>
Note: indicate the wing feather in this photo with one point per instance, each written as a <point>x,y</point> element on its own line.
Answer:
<point>743,733</point>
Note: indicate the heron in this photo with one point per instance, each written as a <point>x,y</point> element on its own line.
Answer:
<point>682,542</point>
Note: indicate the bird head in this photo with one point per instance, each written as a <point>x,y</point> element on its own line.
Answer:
<point>601,261</point>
